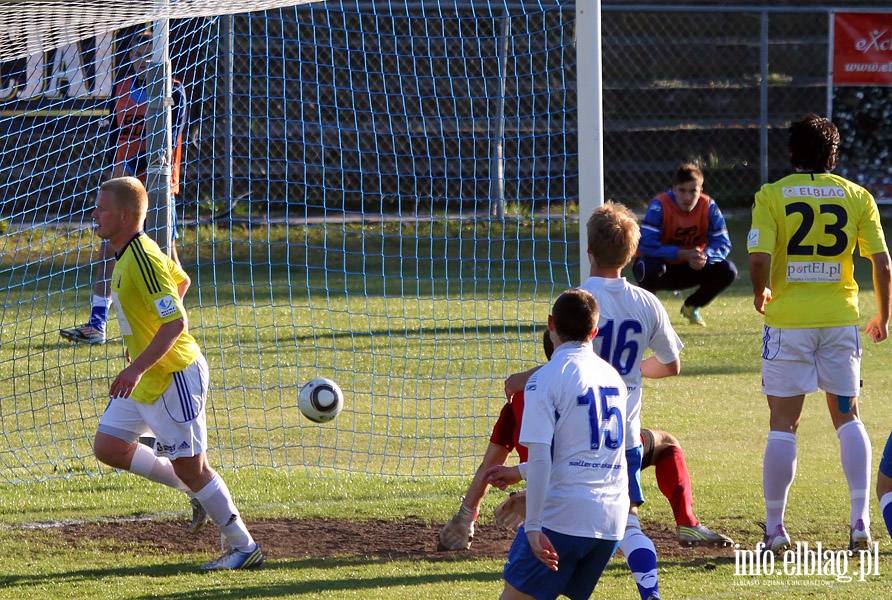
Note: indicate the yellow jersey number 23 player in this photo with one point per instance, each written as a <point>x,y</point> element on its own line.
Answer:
<point>801,245</point>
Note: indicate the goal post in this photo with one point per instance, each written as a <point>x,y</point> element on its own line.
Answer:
<point>590,120</point>
<point>159,136</point>
<point>381,193</point>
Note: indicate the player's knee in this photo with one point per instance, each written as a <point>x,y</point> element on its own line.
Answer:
<point>841,419</point>
<point>722,272</point>
<point>194,471</point>
<point>112,451</point>
<point>670,441</point>
<point>663,440</point>
<point>727,272</point>
<point>100,453</point>
<point>647,272</point>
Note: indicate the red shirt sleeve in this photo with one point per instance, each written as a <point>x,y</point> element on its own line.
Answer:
<point>506,431</point>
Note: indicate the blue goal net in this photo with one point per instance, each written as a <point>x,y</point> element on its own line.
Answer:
<point>380,193</point>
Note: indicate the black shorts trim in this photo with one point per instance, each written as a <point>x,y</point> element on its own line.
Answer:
<point>647,439</point>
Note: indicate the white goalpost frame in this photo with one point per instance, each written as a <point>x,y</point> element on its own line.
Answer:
<point>159,136</point>
<point>590,119</point>
<point>830,38</point>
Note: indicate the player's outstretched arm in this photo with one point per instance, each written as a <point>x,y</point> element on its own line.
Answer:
<point>459,531</point>
<point>495,456</point>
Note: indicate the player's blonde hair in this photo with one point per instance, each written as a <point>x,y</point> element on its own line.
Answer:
<point>613,235</point>
<point>129,195</point>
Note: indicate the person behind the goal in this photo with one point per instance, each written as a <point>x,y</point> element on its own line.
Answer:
<point>129,134</point>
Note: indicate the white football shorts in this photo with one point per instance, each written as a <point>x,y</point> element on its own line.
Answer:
<point>177,419</point>
<point>801,361</point>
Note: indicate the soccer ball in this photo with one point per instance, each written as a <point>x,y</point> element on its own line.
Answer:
<point>320,400</point>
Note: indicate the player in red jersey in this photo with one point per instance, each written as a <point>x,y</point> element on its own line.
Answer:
<point>661,450</point>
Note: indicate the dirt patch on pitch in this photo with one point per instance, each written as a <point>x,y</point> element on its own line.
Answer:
<point>320,538</point>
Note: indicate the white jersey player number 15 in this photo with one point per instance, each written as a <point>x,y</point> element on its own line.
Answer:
<point>611,416</point>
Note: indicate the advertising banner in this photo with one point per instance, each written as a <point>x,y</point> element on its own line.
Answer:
<point>74,80</point>
<point>862,49</point>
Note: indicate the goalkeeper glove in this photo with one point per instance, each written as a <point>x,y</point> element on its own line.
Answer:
<point>511,513</point>
<point>459,531</point>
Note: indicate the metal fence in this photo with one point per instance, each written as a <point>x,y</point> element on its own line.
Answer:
<point>718,85</point>
<point>714,84</point>
<point>703,82</point>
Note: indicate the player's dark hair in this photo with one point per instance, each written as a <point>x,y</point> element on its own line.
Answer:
<point>687,173</point>
<point>814,143</point>
<point>547,344</point>
<point>575,315</point>
<point>613,235</point>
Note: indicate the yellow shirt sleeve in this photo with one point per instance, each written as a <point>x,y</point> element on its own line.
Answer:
<point>762,236</point>
<point>871,239</point>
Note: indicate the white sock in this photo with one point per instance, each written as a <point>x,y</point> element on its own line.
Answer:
<point>217,501</point>
<point>641,556</point>
<point>156,468</point>
<point>104,301</point>
<point>855,453</point>
<point>778,471</point>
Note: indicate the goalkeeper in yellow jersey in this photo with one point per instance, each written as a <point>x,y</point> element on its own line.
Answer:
<point>163,390</point>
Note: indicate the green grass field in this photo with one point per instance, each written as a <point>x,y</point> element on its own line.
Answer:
<point>715,408</point>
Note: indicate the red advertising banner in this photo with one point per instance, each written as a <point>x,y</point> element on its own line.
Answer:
<point>862,49</point>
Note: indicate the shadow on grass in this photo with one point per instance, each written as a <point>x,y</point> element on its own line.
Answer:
<point>62,578</point>
<point>707,563</point>
<point>688,370</point>
<point>224,586</point>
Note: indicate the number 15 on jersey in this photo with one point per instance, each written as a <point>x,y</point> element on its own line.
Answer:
<point>605,421</point>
